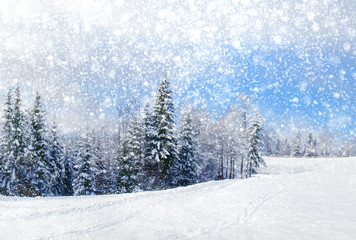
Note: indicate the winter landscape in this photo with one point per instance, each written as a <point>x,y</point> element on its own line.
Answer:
<point>293,198</point>
<point>194,119</point>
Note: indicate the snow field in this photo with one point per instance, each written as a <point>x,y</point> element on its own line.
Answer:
<point>293,198</point>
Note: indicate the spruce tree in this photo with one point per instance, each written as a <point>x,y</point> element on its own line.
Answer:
<point>21,172</point>
<point>150,168</point>
<point>7,159</point>
<point>132,157</point>
<point>85,176</point>
<point>297,148</point>
<point>40,162</point>
<point>56,162</point>
<point>309,146</point>
<point>256,142</point>
<point>165,146</point>
<point>187,166</point>
<point>68,173</point>
<point>99,159</point>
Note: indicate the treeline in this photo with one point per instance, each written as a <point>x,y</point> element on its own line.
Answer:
<point>148,152</point>
<point>323,144</point>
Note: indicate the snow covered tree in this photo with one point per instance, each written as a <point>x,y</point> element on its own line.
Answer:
<point>41,166</point>
<point>286,148</point>
<point>101,180</point>
<point>348,148</point>
<point>309,150</point>
<point>21,172</point>
<point>256,142</point>
<point>56,162</point>
<point>220,147</point>
<point>205,135</point>
<point>150,168</point>
<point>277,148</point>
<point>131,159</point>
<point>187,167</point>
<point>244,108</point>
<point>7,160</point>
<point>85,176</point>
<point>326,144</point>
<point>68,172</point>
<point>297,148</point>
<point>165,146</point>
<point>268,141</point>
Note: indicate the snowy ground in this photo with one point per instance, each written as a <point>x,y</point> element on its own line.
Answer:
<point>291,199</point>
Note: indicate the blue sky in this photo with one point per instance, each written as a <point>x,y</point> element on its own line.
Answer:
<point>92,60</point>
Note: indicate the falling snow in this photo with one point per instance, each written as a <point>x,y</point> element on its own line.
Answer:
<point>80,54</point>
<point>98,63</point>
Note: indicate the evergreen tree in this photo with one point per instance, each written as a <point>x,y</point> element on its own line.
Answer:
<point>106,180</point>
<point>41,165</point>
<point>132,157</point>
<point>68,173</point>
<point>165,146</point>
<point>315,148</point>
<point>56,162</point>
<point>7,159</point>
<point>256,141</point>
<point>150,168</point>
<point>21,172</point>
<point>101,176</point>
<point>297,148</point>
<point>84,181</point>
<point>187,167</point>
<point>309,150</point>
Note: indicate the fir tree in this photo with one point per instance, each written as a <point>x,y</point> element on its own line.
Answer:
<point>150,168</point>
<point>132,157</point>
<point>7,159</point>
<point>84,181</point>
<point>68,175</point>
<point>309,150</point>
<point>56,162</point>
<point>125,181</point>
<point>21,172</point>
<point>165,146</point>
<point>101,176</point>
<point>297,148</point>
<point>187,167</point>
<point>41,164</point>
<point>286,149</point>
<point>256,141</point>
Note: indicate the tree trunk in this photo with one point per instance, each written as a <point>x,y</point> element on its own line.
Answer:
<point>233,169</point>
<point>227,168</point>
<point>242,168</point>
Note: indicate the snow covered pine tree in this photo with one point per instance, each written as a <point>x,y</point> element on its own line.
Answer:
<point>131,157</point>
<point>84,181</point>
<point>165,151</point>
<point>256,140</point>
<point>187,166</point>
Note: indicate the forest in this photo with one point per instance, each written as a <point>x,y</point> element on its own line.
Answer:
<point>151,150</point>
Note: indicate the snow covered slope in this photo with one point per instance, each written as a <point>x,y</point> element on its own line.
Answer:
<point>291,199</point>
